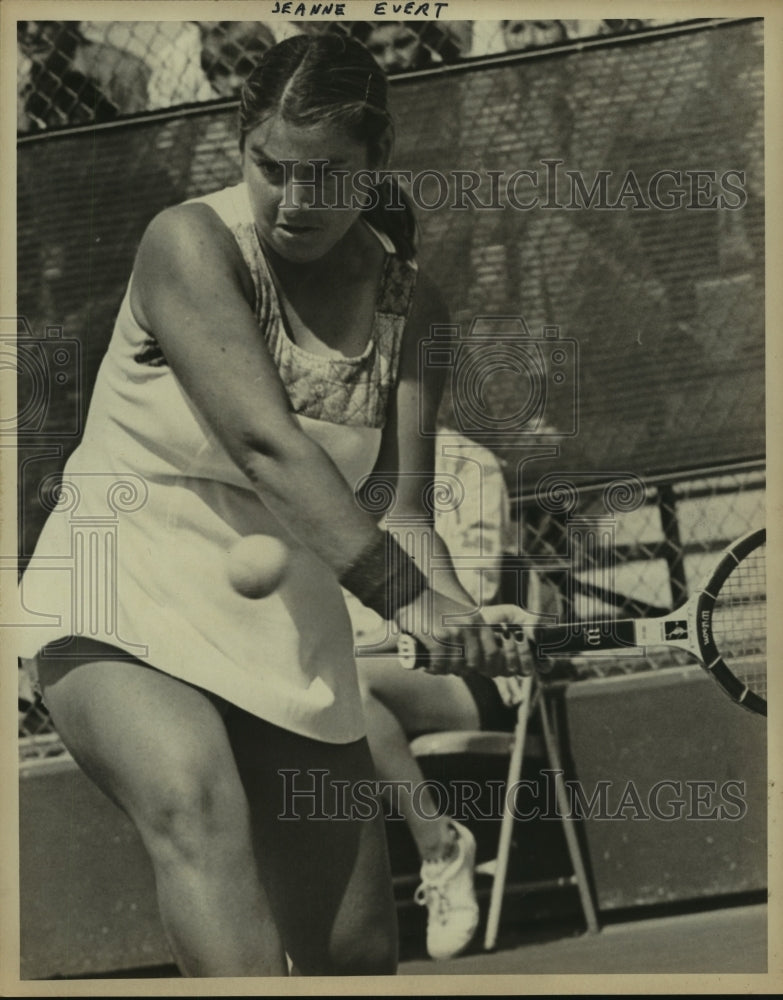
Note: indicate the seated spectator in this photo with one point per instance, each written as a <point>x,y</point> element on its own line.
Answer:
<point>395,45</point>
<point>74,80</point>
<point>400,704</point>
<point>404,46</point>
<point>230,51</point>
<point>518,35</point>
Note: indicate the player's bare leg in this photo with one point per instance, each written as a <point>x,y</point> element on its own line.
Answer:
<point>325,863</point>
<point>158,748</point>
<point>397,704</point>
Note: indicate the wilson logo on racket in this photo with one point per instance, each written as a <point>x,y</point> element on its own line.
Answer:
<point>675,630</point>
<point>706,632</point>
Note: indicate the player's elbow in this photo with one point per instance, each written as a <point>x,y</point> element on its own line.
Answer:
<point>269,460</point>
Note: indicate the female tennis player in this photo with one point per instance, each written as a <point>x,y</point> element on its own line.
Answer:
<point>263,361</point>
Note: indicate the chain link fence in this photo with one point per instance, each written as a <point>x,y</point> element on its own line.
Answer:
<point>77,72</point>
<point>646,430</point>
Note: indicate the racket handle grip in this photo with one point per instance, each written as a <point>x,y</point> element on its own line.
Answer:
<point>412,652</point>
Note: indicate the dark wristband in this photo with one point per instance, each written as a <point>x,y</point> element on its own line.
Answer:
<point>384,577</point>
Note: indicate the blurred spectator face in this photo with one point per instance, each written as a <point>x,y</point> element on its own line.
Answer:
<point>230,51</point>
<point>532,34</point>
<point>38,39</point>
<point>395,47</point>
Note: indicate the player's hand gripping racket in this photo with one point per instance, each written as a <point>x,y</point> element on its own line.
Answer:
<point>723,625</point>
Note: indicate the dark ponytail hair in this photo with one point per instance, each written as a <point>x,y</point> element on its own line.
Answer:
<point>330,78</point>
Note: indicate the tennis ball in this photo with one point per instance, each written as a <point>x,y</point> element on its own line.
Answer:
<point>257,565</point>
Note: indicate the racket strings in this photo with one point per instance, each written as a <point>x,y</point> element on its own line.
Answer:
<point>739,621</point>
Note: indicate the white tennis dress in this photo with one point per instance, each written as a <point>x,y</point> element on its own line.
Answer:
<point>135,551</point>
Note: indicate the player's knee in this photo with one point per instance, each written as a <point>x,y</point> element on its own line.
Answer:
<point>194,821</point>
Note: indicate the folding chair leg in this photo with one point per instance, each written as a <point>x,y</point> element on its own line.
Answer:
<point>507,822</point>
<point>564,806</point>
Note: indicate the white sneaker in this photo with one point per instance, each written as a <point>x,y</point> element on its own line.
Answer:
<point>447,891</point>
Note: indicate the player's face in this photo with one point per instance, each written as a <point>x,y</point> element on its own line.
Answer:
<point>297,208</point>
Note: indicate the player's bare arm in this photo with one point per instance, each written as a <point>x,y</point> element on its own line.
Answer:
<point>192,291</point>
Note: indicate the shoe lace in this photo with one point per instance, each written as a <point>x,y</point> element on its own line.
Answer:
<point>431,895</point>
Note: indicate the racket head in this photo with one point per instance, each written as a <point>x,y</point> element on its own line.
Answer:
<point>731,622</point>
